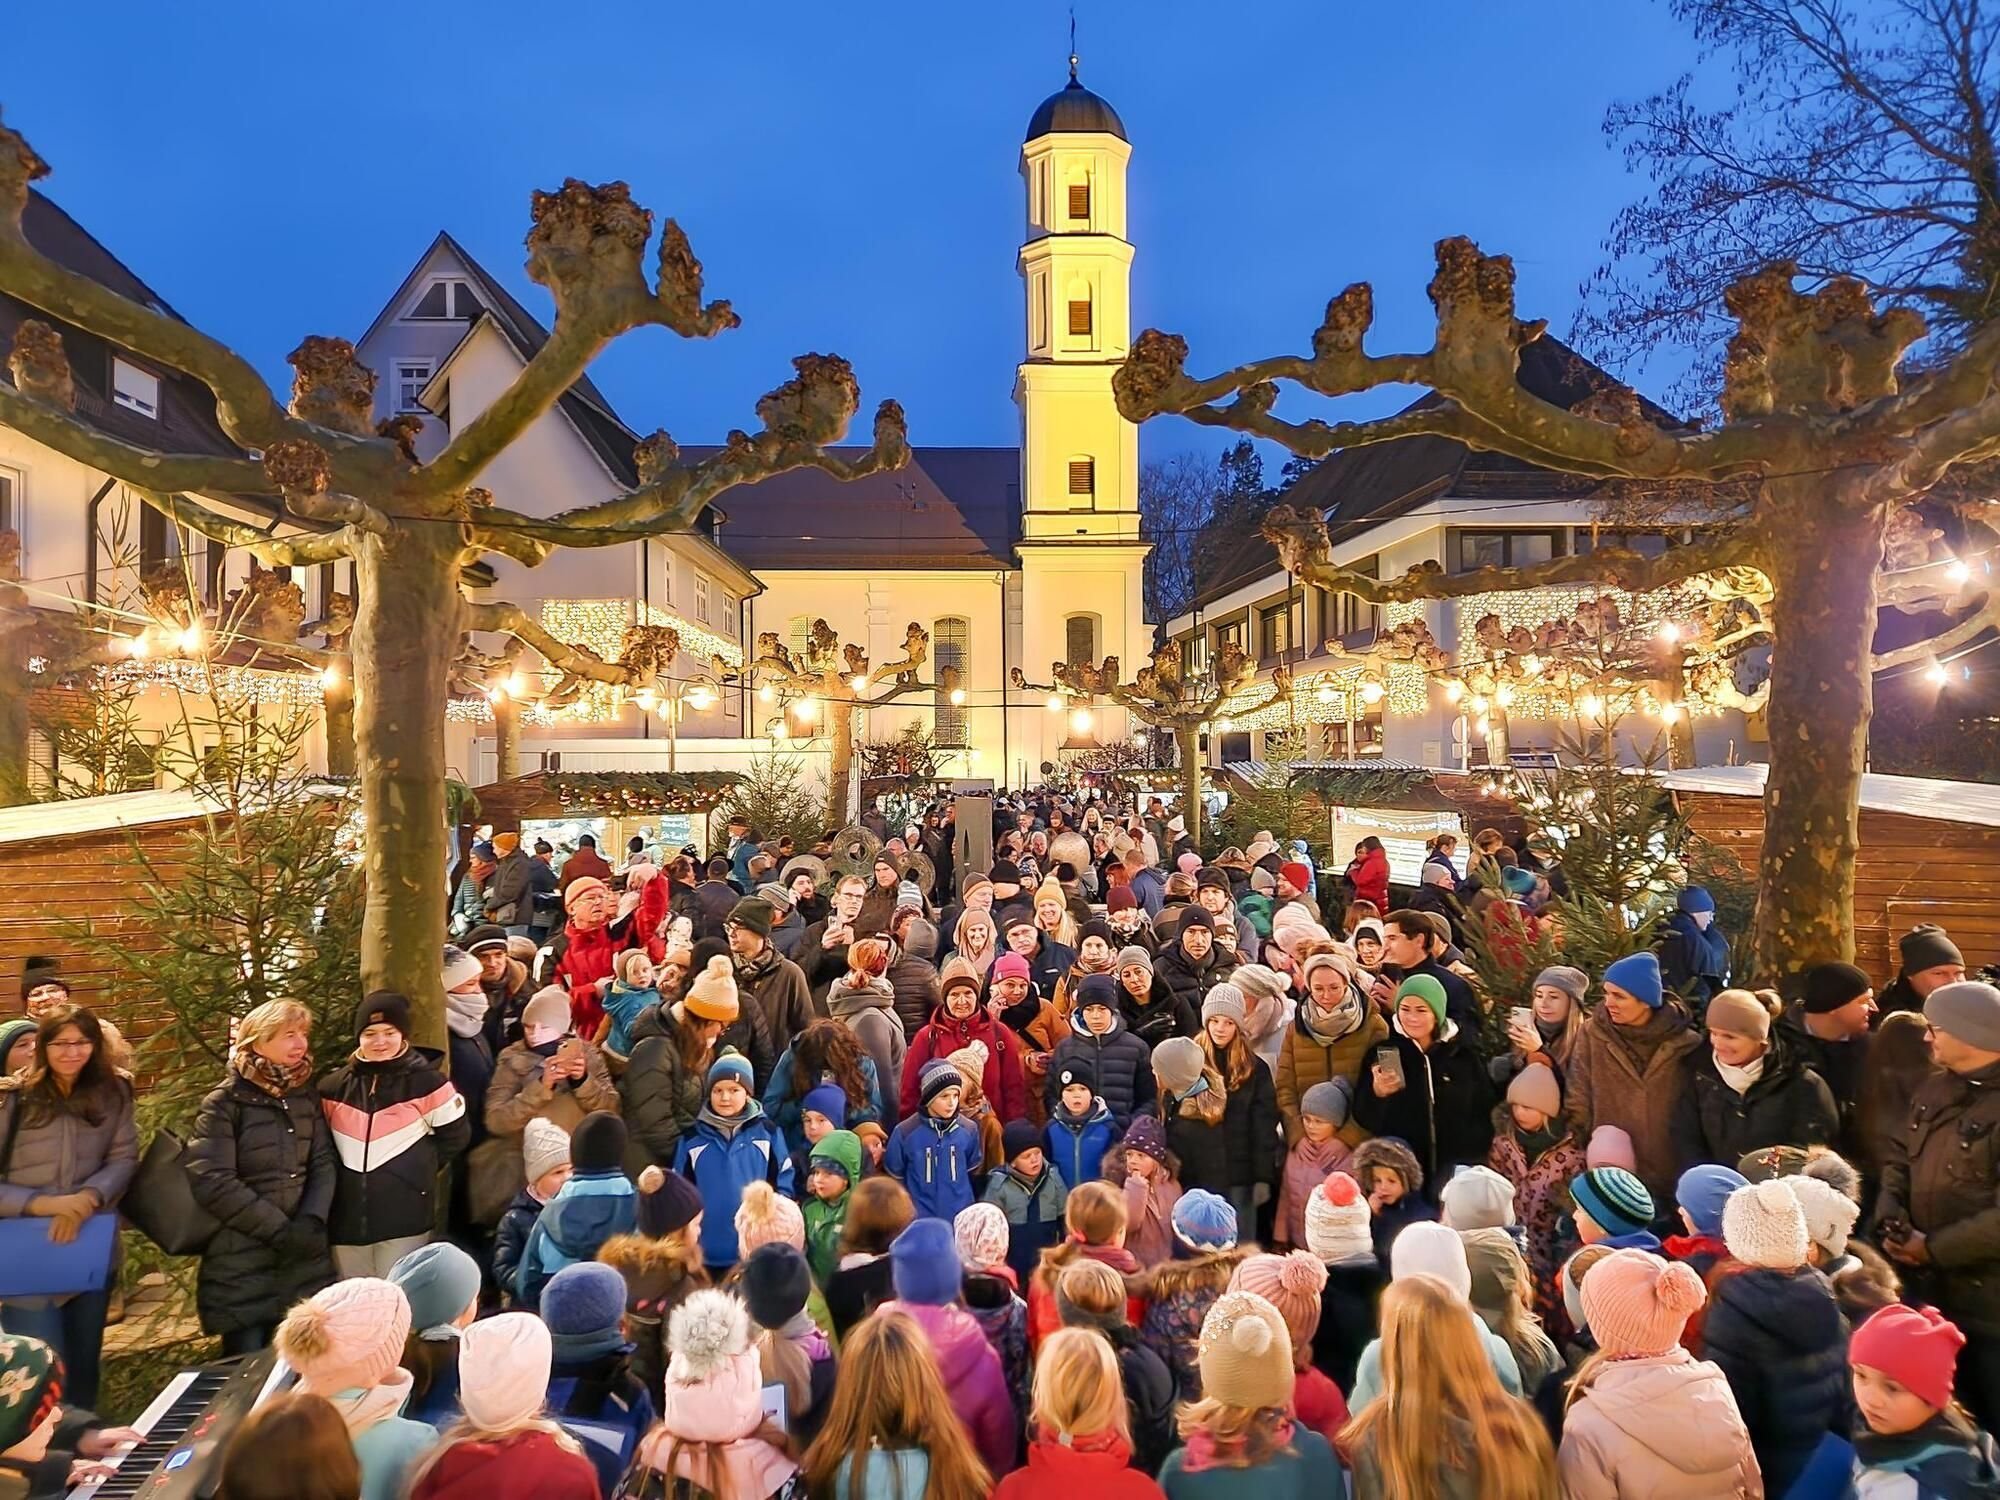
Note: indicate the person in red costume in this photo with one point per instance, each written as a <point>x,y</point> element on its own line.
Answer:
<point>580,957</point>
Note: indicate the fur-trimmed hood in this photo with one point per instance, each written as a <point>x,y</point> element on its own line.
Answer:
<point>1387,1151</point>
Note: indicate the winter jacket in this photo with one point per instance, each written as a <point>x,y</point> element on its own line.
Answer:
<point>1693,964</point>
<point>67,1153</point>
<point>622,1007</point>
<point>515,1095</point>
<point>868,1010</point>
<point>657,1094</point>
<point>588,1210</point>
<point>1178,1295</point>
<point>1369,875</point>
<point>824,1220</point>
<point>1368,1370</point>
<point>946,1034</point>
<point>1305,1167</point>
<point>1034,1211</point>
<point>1347,1318</point>
<point>1104,1467</point>
<point>860,1285</point>
<point>1632,1077</point>
<point>576,959</point>
<point>1003,1318</point>
<point>527,1466</point>
<point>396,1126</point>
<point>388,1445</point>
<point>1151,1397</point>
<point>656,1282</point>
<point>1444,1109</point>
<point>777,1002</point>
<point>938,1163</point>
<point>913,976</point>
<point>1191,981</point>
<point>783,1100</point>
<point>1049,963</point>
<point>1842,1065</point>
<point>1250,1131</point>
<point>1788,1105</point>
<point>606,1407</point>
<point>1661,1425</point>
<point>1076,1147</point>
<point>971,1373</point>
<point>1385,1225</point>
<point>1541,1203</point>
<point>1161,1015</point>
<point>1943,1175</point>
<point>1149,1212</point>
<point>1120,1062</point>
<point>1045,1317</point>
<point>1779,1337</point>
<point>710,904</point>
<point>1307,1470</point>
<point>261,1165</point>
<point>1197,1137</point>
<point>722,1158</point>
<point>1943,1459</point>
<point>510,1238</point>
<point>1307,1058</point>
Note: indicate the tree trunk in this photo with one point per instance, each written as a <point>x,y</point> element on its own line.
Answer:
<point>1188,738</point>
<point>1822,693</point>
<point>407,623</point>
<point>506,738</point>
<point>840,763</point>
<point>338,706</point>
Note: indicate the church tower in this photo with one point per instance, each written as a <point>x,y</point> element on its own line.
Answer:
<point>1082,559</point>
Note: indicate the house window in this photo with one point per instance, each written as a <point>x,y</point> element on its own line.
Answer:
<point>1083,476</point>
<point>135,389</point>
<point>1079,316</point>
<point>10,500</point>
<point>1079,200</point>
<point>701,598</point>
<point>1645,543</point>
<point>447,300</point>
<point>1504,549</point>
<point>951,645</point>
<point>727,624</point>
<point>1340,615</point>
<point>215,558</point>
<point>666,575</point>
<point>412,375</point>
<point>1229,635</point>
<point>799,635</point>
<point>1080,640</point>
<point>159,543</point>
<point>1274,630</point>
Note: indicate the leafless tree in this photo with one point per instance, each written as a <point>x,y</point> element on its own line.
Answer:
<point>1176,497</point>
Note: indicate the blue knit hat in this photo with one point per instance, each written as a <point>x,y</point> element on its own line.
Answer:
<point>1702,1191</point>
<point>829,1099</point>
<point>584,1306</point>
<point>934,1078</point>
<point>1205,1221</point>
<point>729,1064</point>
<point>440,1281</point>
<point>924,1264</point>
<point>1097,989</point>
<point>1638,974</point>
<point>1695,898</point>
<point>1616,1200</point>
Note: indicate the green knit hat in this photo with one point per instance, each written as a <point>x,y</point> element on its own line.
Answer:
<point>1426,988</point>
<point>30,1386</point>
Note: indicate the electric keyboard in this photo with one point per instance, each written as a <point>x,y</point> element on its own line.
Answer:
<point>185,1428</point>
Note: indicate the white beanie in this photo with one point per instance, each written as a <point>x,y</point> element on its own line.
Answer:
<point>1763,1225</point>
<point>1477,1198</point>
<point>1428,1249</point>
<point>503,1370</point>
<point>1830,1213</point>
<point>1337,1221</point>
<point>544,1147</point>
<point>460,967</point>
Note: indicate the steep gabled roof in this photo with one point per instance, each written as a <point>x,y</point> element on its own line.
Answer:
<point>1357,488</point>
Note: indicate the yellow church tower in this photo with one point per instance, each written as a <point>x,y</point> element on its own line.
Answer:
<point>1082,559</point>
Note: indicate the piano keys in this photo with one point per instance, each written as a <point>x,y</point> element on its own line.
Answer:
<point>186,1427</point>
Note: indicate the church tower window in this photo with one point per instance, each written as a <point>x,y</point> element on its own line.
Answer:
<point>951,645</point>
<point>1083,476</point>
<point>1079,200</point>
<point>1080,640</point>
<point>1079,316</point>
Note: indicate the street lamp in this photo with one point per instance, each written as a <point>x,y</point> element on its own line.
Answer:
<point>672,704</point>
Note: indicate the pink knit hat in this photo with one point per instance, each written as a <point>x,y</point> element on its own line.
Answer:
<point>503,1370</point>
<point>348,1337</point>
<point>764,1217</point>
<point>1610,1146</point>
<point>1637,1304</point>
<point>1292,1284</point>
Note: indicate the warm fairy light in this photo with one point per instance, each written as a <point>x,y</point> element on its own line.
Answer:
<point>646,698</point>
<point>957,697</point>
<point>136,647</point>
<point>1531,666</point>
<point>494,695</point>
<point>189,640</point>
<point>701,699</point>
<point>1080,720</point>
<point>766,693</point>
<point>1935,674</point>
<point>1669,632</point>
<point>1503,695</point>
<point>1453,691</point>
<point>1054,703</point>
<point>1372,692</point>
<point>1669,712</point>
<point>806,709</point>
<point>1139,739</point>
<point>329,677</point>
<point>1476,704</point>
<point>517,684</point>
<point>1480,724</point>
<point>1958,572</point>
<point>1222,726</point>
<point>859,682</point>
<point>1324,693</point>
<point>1590,705</point>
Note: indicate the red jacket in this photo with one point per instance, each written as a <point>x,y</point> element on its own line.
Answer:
<point>1370,875</point>
<point>528,1466</point>
<point>1006,1090</point>
<point>1097,1466</point>
<point>1044,1317</point>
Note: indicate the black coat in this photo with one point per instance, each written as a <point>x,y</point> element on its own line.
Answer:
<point>1790,1105</point>
<point>260,1165</point>
<point>1121,1063</point>
<point>1779,1337</point>
<point>1202,1148</point>
<point>1444,1109</point>
<point>1191,982</point>
<point>1150,1395</point>
<point>657,1095</point>
<point>1163,1015</point>
<point>1250,1128</point>
<point>387,1183</point>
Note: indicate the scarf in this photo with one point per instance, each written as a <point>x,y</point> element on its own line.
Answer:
<point>1203,1452</point>
<point>361,1410</point>
<point>255,1067</point>
<point>1329,1026</point>
<point>464,1014</point>
<point>1884,1450</point>
<point>1535,1144</point>
<point>727,1127</point>
<point>1740,1079</point>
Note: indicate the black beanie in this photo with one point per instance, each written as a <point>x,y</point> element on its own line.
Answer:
<point>1830,986</point>
<point>383,1008</point>
<point>755,913</point>
<point>668,1208</point>
<point>1926,947</point>
<point>775,1282</point>
<point>1017,1136</point>
<point>598,1144</point>
<point>37,970</point>
<point>1097,927</point>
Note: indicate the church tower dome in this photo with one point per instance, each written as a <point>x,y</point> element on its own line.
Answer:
<point>1075,110</point>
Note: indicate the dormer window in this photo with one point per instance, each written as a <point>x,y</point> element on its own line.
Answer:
<point>446,300</point>
<point>135,389</point>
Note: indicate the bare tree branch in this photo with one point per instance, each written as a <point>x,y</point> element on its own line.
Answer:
<point>273,552</point>
<point>574,661</point>
<point>135,465</point>
<point>1970,627</point>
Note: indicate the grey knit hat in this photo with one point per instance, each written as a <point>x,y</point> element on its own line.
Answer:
<point>1967,1010</point>
<point>1134,955</point>
<point>1328,1100</point>
<point>1572,982</point>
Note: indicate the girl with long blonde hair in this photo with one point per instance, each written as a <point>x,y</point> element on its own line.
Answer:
<point>976,939</point>
<point>503,1386</point>
<point>891,1430</point>
<point>1095,1224</point>
<point>1077,1438</point>
<point>1443,1428</point>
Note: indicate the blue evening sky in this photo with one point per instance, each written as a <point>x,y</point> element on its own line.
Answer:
<point>848,173</point>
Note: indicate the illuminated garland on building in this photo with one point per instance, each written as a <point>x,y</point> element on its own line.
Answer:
<point>289,690</point>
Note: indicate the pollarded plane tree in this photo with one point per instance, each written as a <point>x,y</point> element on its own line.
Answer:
<point>1823,443</point>
<point>411,527</point>
<point>1169,699</point>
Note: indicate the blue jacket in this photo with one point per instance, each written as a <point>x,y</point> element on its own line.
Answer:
<point>784,1108</point>
<point>1149,889</point>
<point>510,1239</point>
<point>1034,1213</point>
<point>1076,1151</point>
<point>722,1158</point>
<point>624,1007</point>
<point>606,1407</point>
<point>590,1208</point>
<point>936,1162</point>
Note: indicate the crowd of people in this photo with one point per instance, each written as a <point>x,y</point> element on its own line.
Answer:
<point>1106,1165</point>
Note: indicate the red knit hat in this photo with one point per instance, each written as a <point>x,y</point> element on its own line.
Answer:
<point>1637,1304</point>
<point>1914,1346</point>
<point>1297,874</point>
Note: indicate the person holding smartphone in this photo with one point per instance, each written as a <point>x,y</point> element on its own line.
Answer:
<point>1428,1085</point>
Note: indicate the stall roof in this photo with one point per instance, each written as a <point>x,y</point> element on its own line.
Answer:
<point>1914,796</point>
<point>81,815</point>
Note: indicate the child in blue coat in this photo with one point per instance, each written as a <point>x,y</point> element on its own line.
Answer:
<point>1032,1196</point>
<point>596,1202</point>
<point>1081,1126</point>
<point>632,989</point>
<point>935,1154</point>
<point>730,1146</point>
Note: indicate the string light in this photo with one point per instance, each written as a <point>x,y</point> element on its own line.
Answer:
<point>1324,693</point>
<point>329,678</point>
<point>1372,692</point>
<point>1936,675</point>
<point>1222,726</point>
<point>1503,695</point>
<point>766,693</point>
<point>859,682</point>
<point>190,639</point>
<point>1453,691</point>
<point>1054,703</point>
<point>1669,632</point>
<point>701,699</point>
<point>137,647</point>
<point>806,710</point>
<point>1590,706</point>
<point>1958,572</point>
<point>517,684</point>
<point>957,696</point>
<point>1080,720</point>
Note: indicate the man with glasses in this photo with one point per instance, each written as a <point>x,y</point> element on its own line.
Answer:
<point>823,950</point>
<point>770,987</point>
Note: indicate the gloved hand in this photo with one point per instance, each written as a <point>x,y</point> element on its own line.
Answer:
<point>305,1236</point>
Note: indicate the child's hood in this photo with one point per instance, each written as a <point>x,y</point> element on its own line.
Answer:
<point>588,1211</point>
<point>1677,1408</point>
<point>843,1149</point>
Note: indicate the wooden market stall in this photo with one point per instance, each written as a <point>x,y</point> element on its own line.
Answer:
<point>671,807</point>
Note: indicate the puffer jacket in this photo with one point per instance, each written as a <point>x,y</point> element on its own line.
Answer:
<point>657,1281</point>
<point>1779,1337</point>
<point>1250,1129</point>
<point>658,1096</point>
<point>258,1163</point>
<point>870,1012</point>
<point>1191,981</point>
<point>1003,1317</point>
<point>1150,1398</point>
<point>1005,1088</point>
<point>784,1100</point>
<point>1941,1175</point>
<point>67,1153</point>
<point>1633,1078</point>
<point>1196,1135</point>
<point>396,1125</point>
<point>1788,1105</point>
<point>589,1210</point>
<point>1307,1059</point>
<point>938,1162</point>
<point>722,1158</point>
<point>1178,1296</point>
<point>912,976</point>
<point>1120,1062</point>
<point>1034,1211</point>
<point>1075,1147</point>
<point>1444,1109</point>
<point>1662,1425</point>
<point>1163,1014</point>
<point>1048,963</point>
<point>971,1374</point>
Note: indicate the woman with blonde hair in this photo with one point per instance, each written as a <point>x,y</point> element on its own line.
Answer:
<point>1076,1429</point>
<point>976,939</point>
<point>260,1159</point>
<point>1443,1428</point>
<point>891,1433</point>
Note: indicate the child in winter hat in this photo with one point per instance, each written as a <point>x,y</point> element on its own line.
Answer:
<point>344,1343</point>
<point>974,1107</point>
<point>766,1217</point>
<point>1636,1303</point>
<point>1319,1150</point>
<point>597,1202</point>
<point>712,996</point>
<point>1337,1222</point>
<point>1613,1208</point>
<point>1429,1249</point>
<point>1611,1146</point>
<point>1152,1191</point>
<point>30,1397</point>
<point>1701,1192</point>
<point>506,1371</point>
<point>1293,1285</point>
<point>1763,1225</point>
<point>1477,1198</point>
<point>712,1418</point>
<point>980,1234</point>
<point>792,1351</point>
<point>1204,1221</point>
<point>1830,1216</point>
<point>1912,1438</point>
<point>1245,1353</point>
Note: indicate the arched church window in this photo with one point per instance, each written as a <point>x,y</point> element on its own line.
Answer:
<point>1080,640</point>
<point>951,650</point>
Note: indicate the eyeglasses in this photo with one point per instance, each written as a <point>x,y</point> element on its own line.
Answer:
<point>80,1044</point>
